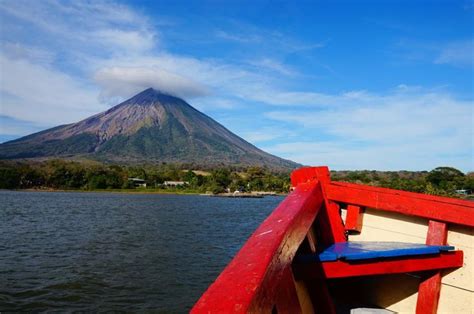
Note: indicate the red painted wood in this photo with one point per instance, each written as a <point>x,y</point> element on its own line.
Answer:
<point>319,292</point>
<point>329,224</point>
<point>307,174</point>
<point>343,269</point>
<point>431,207</point>
<point>287,298</point>
<point>428,294</point>
<point>312,241</point>
<point>253,280</point>
<point>437,233</point>
<point>335,221</point>
<point>435,198</point>
<point>249,283</point>
<point>354,219</point>
<point>333,228</point>
<point>429,289</point>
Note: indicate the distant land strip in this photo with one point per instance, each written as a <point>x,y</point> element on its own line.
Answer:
<point>65,175</point>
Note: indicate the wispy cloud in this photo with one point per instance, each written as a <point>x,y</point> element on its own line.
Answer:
<point>406,128</point>
<point>122,82</point>
<point>274,66</point>
<point>50,58</point>
<point>33,54</point>
<point>460,53</point>
<point>267,134</point>
<point>120,51</point>
<point>345,155</point>
<point>253,38</point>
<point>67,25</point>
<point>128,41</point>
<point>38,93</point>
<point>272,41</point>
<point>117,47</point>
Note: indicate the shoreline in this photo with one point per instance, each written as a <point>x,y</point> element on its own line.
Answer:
<point>114,191</point>
<point>129,191</point>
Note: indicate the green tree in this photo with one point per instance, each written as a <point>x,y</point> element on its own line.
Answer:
<point>9,178</point>
<point>221,178</point>
<point>97,181</point>
<point>446,178</point>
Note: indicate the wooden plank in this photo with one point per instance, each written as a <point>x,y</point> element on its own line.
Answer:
<point>317,288</point>
<point>308,174</point>
<point>320,296</point>
<point>312,240</point>
<point>437,233</point>
<point>354,219</point>
<point>428,294</point>
<point>429,289</point>
<point>287,300</point>
<point>304,297</point>
<point>338,232</point>
<point>332,226</point>
<point>251,280</point>
<point>442,199</point>
<point>431,207</point>
<point>344,269</point>
<point>331,230</point>
<point>329,225</point>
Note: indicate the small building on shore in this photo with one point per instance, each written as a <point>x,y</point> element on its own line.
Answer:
<point>175,183</point>
<point>137,182</point>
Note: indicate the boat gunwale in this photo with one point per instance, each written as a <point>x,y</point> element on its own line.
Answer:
<point>250,282</point>
<point>442,209</point>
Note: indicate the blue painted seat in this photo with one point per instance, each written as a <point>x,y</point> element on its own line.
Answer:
<point>371,250</point>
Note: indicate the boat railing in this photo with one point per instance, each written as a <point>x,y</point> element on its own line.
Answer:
<point>260,278</point>
<point>260,274</point>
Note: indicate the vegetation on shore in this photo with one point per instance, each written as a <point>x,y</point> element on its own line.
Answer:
<point>71,175</point>
<point>443,181</point>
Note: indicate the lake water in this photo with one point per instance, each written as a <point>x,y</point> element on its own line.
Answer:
<point>127,252</point>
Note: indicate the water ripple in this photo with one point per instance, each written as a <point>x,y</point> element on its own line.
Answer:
<point>117,252</point>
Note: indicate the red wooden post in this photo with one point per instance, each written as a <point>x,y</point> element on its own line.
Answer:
<point>319,293</point>
<point>331,222</point>
<point>429,289</point>
<point>287,298</point>
<point>354,219</point>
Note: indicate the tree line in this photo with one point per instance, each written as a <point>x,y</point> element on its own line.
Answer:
<point>443,181</point>
<point>72,175</point>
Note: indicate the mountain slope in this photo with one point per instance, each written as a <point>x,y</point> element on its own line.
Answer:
<point>150,127</point>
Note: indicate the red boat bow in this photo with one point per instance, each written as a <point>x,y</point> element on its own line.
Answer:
<point>261,277</point>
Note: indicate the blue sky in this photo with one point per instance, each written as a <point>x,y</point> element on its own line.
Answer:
<point>382,85</point>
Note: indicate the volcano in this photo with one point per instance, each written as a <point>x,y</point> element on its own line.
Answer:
<point>151,127</point>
